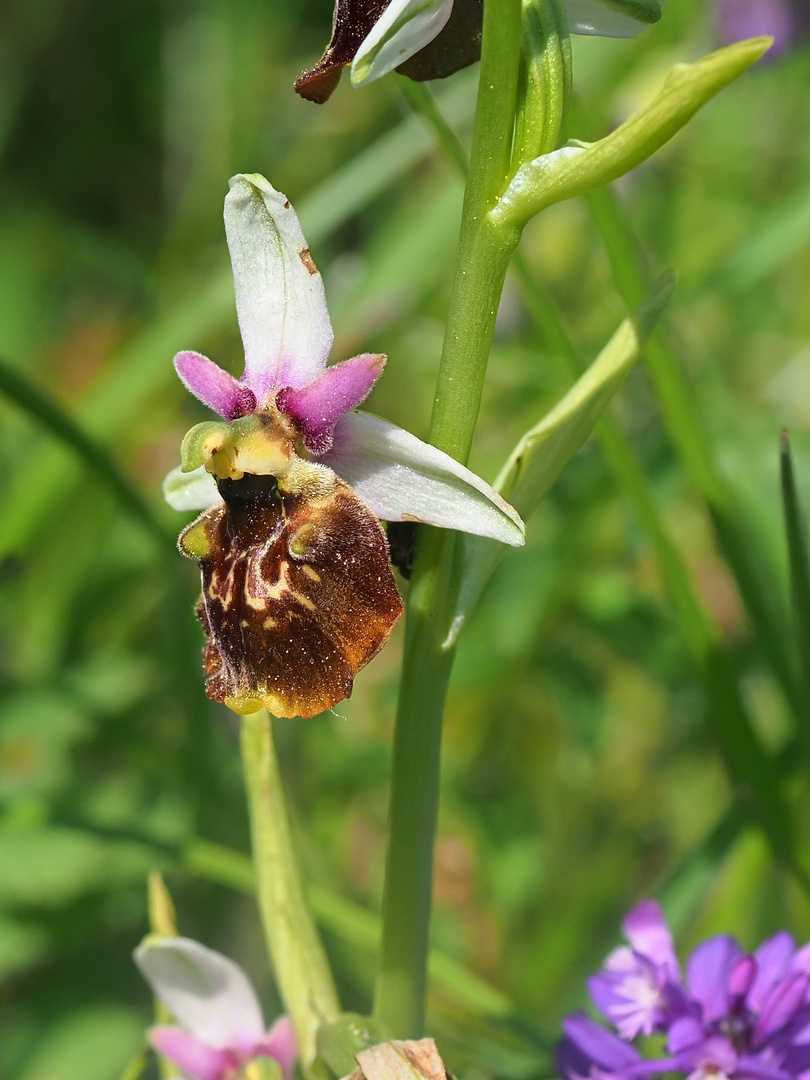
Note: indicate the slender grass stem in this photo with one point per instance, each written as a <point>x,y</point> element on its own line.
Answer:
<point>483,257</point>
<point>296,952</point>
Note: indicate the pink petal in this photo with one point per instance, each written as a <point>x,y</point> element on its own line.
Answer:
<point>280,1043</point>
<point>216,388</point>
<point>317,407</point>
<point>197,1060</point>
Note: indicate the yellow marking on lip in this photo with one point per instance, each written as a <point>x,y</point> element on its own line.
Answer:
<point>269,624</point>
<point>313,574</point>
<point>303,600</point>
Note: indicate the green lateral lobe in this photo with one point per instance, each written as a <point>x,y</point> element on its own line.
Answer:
<point>545,450</point>
<point>578,168</point>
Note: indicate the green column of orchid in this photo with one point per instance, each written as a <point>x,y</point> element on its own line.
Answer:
<point>484,253</point>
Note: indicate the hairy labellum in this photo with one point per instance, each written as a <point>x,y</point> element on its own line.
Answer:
<point>297,596</point>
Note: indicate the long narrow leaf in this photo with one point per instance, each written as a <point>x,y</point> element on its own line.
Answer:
<point>796,534</point>
<point>545,450</point>
<point>47,411</point>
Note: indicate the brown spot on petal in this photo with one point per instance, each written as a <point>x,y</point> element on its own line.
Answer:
<point>290,632</point>
<point>308,261</point>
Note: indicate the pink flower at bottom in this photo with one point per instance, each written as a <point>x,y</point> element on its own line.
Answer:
<point>220,1023</point>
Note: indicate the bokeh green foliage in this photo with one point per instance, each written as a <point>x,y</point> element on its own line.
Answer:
<point>581,769</point>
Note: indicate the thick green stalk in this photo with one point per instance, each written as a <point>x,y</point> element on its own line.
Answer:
<point>297,956</point>
<point>484,253</point>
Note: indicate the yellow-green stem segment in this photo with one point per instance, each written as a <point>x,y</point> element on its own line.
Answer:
<point>296,953</point>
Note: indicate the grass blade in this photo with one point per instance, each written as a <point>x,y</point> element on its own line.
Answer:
<point>50,414</point>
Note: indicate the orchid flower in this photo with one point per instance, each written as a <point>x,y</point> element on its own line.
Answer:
<point>375,37</point>
<point>297,590</point>
<point>221,1028</point>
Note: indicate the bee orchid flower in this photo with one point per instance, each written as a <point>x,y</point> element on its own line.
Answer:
<point>220,1025</point>
<point>430,39</point>
<point>298,594</point>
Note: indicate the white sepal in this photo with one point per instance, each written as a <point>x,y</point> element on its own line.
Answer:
<point>190,490</point>
<point>280,299</point>
<point>208,994</point>
<point>405,27</point>
<point>401,478</point>
<point>611,18</point>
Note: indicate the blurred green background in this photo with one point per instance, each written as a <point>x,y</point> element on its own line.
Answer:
<point>581,768</point>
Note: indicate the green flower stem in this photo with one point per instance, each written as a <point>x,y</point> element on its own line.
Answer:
<point>302,972</point>
<point>484,253</point>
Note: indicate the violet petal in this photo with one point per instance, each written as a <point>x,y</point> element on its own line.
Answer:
<point>646,929</point>
<point>708,972</point>
<point>686,1032</point>
<point>773,959</point>
<point>601,1046</point>
<point>742,977</point>
<point>317,407</point>
<point>741,19</point>
<point>215,388</point>
<point>198,1061</point>
<point>780,1005</point>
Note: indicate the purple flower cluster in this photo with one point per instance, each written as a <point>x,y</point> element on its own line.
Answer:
<point>786,21</point>
<point>735,1016</point>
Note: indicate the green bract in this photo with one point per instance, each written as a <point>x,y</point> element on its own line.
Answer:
<point>580,167</point>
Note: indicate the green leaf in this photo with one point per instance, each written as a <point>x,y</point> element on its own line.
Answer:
<point>796,534</point>
<point>91,1044</point>
<point>544,451</point>
<point>51,415</point>
<point>580,167</point>
<point>338,1042</point>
